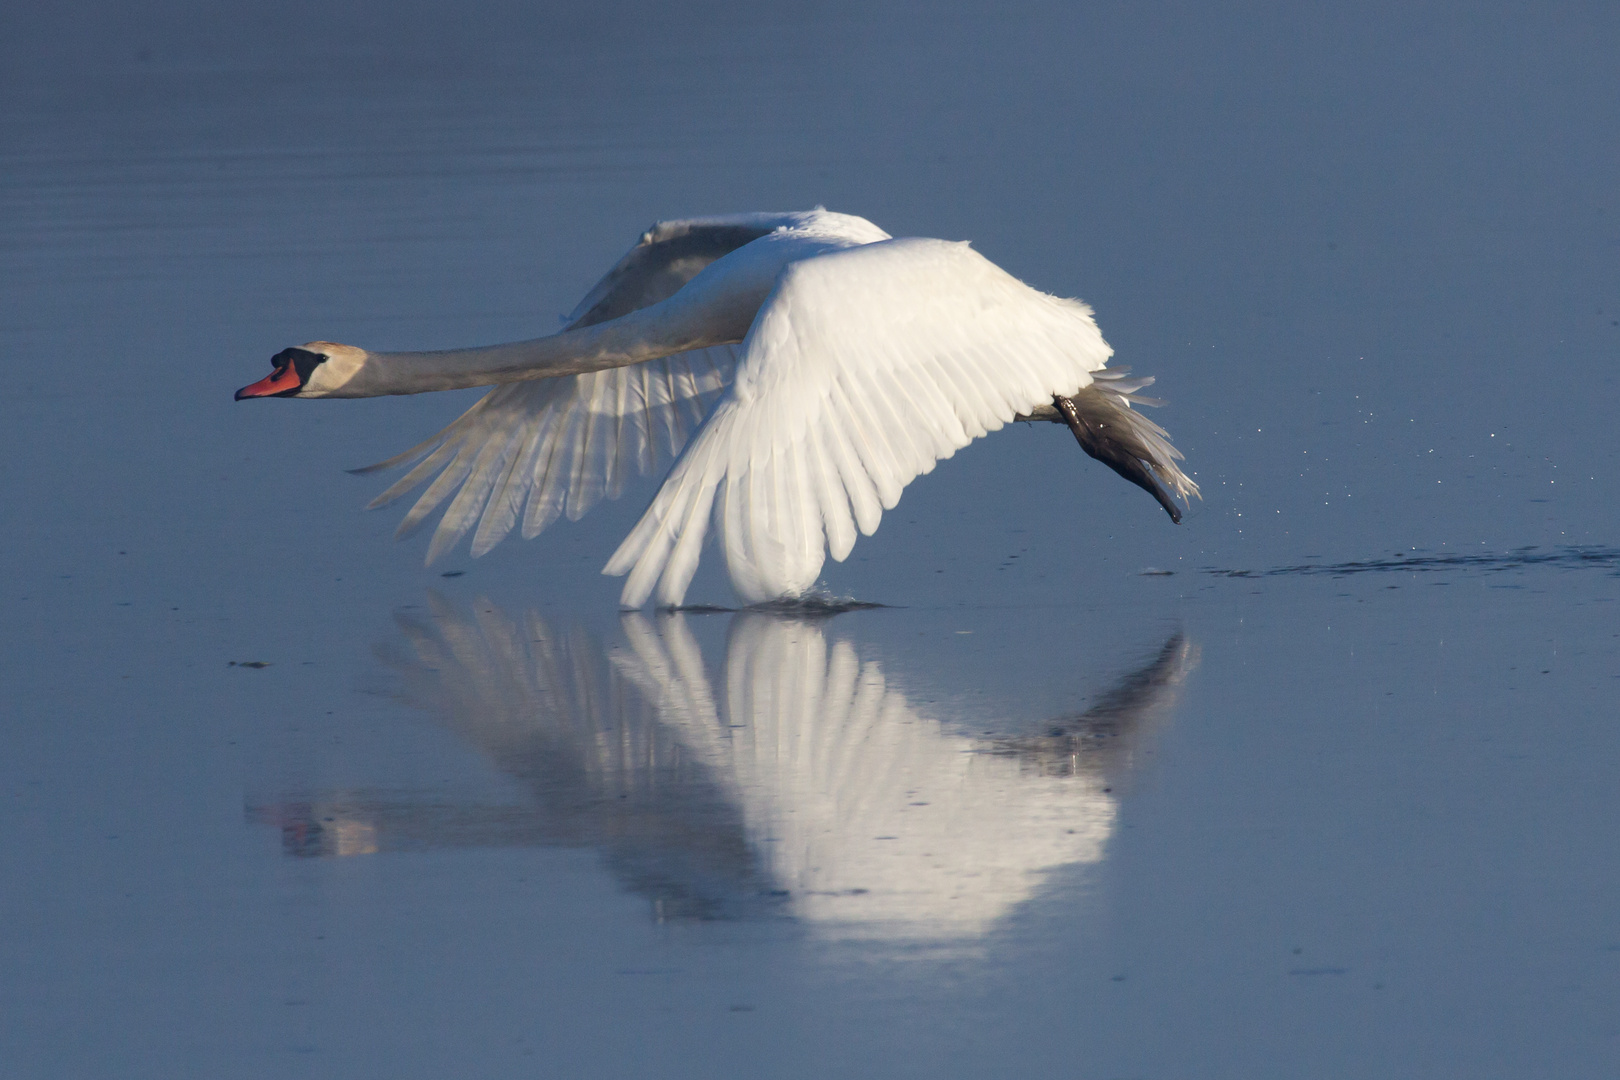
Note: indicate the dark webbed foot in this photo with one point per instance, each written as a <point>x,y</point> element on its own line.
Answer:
<point>1113,446</point>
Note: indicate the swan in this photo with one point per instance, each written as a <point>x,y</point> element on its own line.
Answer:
<point>800,369</point>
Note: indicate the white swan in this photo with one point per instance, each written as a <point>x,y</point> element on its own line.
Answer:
<point>845,364</point>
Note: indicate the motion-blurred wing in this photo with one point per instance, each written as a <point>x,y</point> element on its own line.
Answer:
<point>863,368</point>
<point>536,450</point>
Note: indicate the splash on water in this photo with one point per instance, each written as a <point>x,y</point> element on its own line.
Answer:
<point>817,603</point>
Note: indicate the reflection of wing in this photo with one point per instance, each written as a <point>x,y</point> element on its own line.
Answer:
<point>1104,740</point>
<point>863,368</point>
<point>592,752</point>
<point>561,445</point>
<point>876,821</point>
<point>799,781</point>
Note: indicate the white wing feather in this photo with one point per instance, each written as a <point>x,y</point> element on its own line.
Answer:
<point>863,368</point>
<point>539,450</point>
<point>561,445</point>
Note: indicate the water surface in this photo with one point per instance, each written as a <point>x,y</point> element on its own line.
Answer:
<point>1319,782</point>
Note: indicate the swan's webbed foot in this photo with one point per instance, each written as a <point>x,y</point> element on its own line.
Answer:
<point>1111,446</point>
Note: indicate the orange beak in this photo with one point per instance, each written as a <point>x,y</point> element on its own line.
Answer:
<point>279,381</point>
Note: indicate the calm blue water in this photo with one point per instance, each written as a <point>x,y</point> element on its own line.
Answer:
<point>1335,797</point>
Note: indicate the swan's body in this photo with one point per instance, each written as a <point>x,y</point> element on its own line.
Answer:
<point>846,363</point>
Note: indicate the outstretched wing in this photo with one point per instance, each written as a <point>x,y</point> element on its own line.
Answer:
<point>863,368</point>
<point>537,450</point>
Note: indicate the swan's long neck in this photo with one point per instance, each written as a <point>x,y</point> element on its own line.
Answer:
<point>716,307</point>
<point>705,313</point>
<point>631,339</point>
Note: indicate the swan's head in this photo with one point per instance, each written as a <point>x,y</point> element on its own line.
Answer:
<point>316,369</point>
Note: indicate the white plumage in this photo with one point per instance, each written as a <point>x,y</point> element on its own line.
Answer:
<point>863,368</point>
<point>840,364</point>
<point>544,449</point>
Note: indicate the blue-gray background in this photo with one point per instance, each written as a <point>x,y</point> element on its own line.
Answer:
<point>1369,250</point>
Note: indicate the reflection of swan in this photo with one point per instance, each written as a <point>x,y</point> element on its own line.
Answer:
<point>863,361</point>
<point>803,782</point>
<point>875,819</point>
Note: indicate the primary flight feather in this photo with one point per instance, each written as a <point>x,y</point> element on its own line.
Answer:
<point>800,368</point>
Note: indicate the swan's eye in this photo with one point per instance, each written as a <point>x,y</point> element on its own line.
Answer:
<point>302,360</point>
